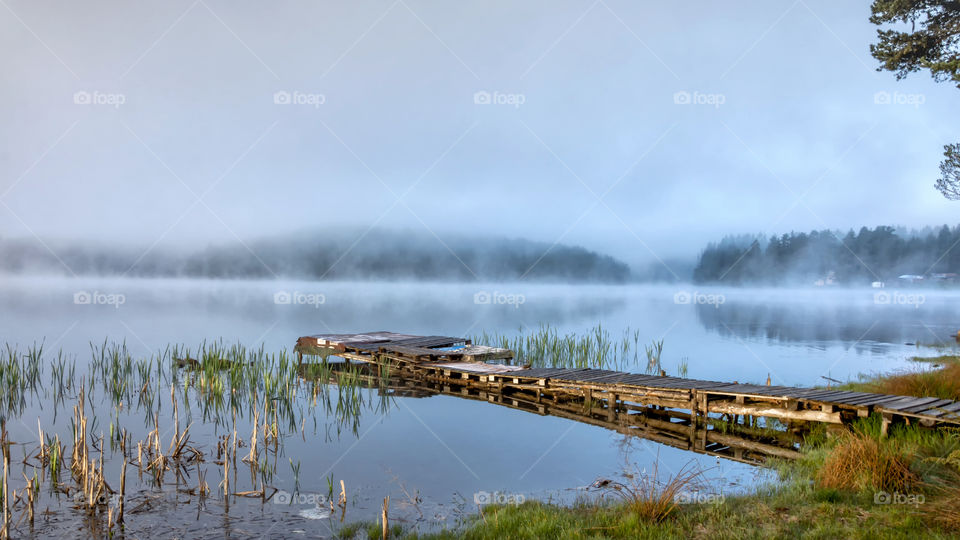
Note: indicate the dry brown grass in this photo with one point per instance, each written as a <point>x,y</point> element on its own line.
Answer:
<point>653,500</point>
<point>860,462</point>
<point>943,383</point>
<point>943,509</point>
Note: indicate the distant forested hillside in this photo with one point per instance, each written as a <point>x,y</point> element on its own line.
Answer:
<point>338,255</point>
<point>879,254</point>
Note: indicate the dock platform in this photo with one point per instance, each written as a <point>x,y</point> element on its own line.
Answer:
<point>453,360</point>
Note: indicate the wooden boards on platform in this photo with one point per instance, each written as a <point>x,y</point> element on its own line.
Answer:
<point>439,357</point>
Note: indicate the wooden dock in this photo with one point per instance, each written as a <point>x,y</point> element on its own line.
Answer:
<point>452,360</point>
<point>743,444</point>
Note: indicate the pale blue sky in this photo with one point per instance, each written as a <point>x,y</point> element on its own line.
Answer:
<point>587,147</point>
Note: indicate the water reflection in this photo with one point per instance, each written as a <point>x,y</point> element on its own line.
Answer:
<point>664,426</point>
<point>854,318</point>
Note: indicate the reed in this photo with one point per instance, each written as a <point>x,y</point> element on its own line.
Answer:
<point>5,455</point>
<point>861,461</point>
<point>651,499</point>
<point>545,346</point>
<point>229,387</point>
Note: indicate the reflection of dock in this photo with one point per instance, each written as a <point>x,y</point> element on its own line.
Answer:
<point>665,426</point>
<point>451,361</point>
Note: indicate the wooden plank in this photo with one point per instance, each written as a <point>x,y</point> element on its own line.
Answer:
<point>431,342</point>
<point>879,400</point>
<point>946,410</point>
<point>541,372</point>
<point>597,375</point>
<point>821,395</point>
<point>611,378</point>
<point>803,392</point>
<point>851,396</point>
<point>569,374</point>
<point>908,403</point>
<point>368,337</point>
<point>836,397</point>
<point>775,412</point>
<point>867,398</point>
<point>415,352</point>
<point>918,408</point>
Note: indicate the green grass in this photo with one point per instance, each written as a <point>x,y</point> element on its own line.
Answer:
<point>596,348</point>
<point>801,506</point>
<point>790,513</point>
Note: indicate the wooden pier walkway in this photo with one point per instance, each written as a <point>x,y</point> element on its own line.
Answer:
<point>753,446</point>
<point>452,360</point>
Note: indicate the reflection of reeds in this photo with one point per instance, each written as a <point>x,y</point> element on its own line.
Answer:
<point>19,377</point>
<point>231,388</point>
<point>654,351</point>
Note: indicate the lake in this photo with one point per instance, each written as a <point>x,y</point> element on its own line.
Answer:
<point>436,456</point>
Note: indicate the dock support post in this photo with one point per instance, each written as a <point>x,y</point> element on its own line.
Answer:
<point>885,425</point>
<point>705,411</point>
<point>694,419</point>
<point>612,407</point>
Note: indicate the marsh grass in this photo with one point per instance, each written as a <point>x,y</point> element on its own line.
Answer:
<point>806,503</point>
<point>545,346</point>
<point>652,499</point>
<point>228,388</point>
<point>860,461</point>
<point>941,380</point>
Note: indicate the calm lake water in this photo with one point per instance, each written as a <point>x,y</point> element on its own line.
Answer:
<point>443,450</point>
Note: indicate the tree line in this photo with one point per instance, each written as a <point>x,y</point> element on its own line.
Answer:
<point>880,254</point>
<point>324,255</point>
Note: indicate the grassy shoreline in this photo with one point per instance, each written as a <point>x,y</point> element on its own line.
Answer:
<point>855,484</point>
